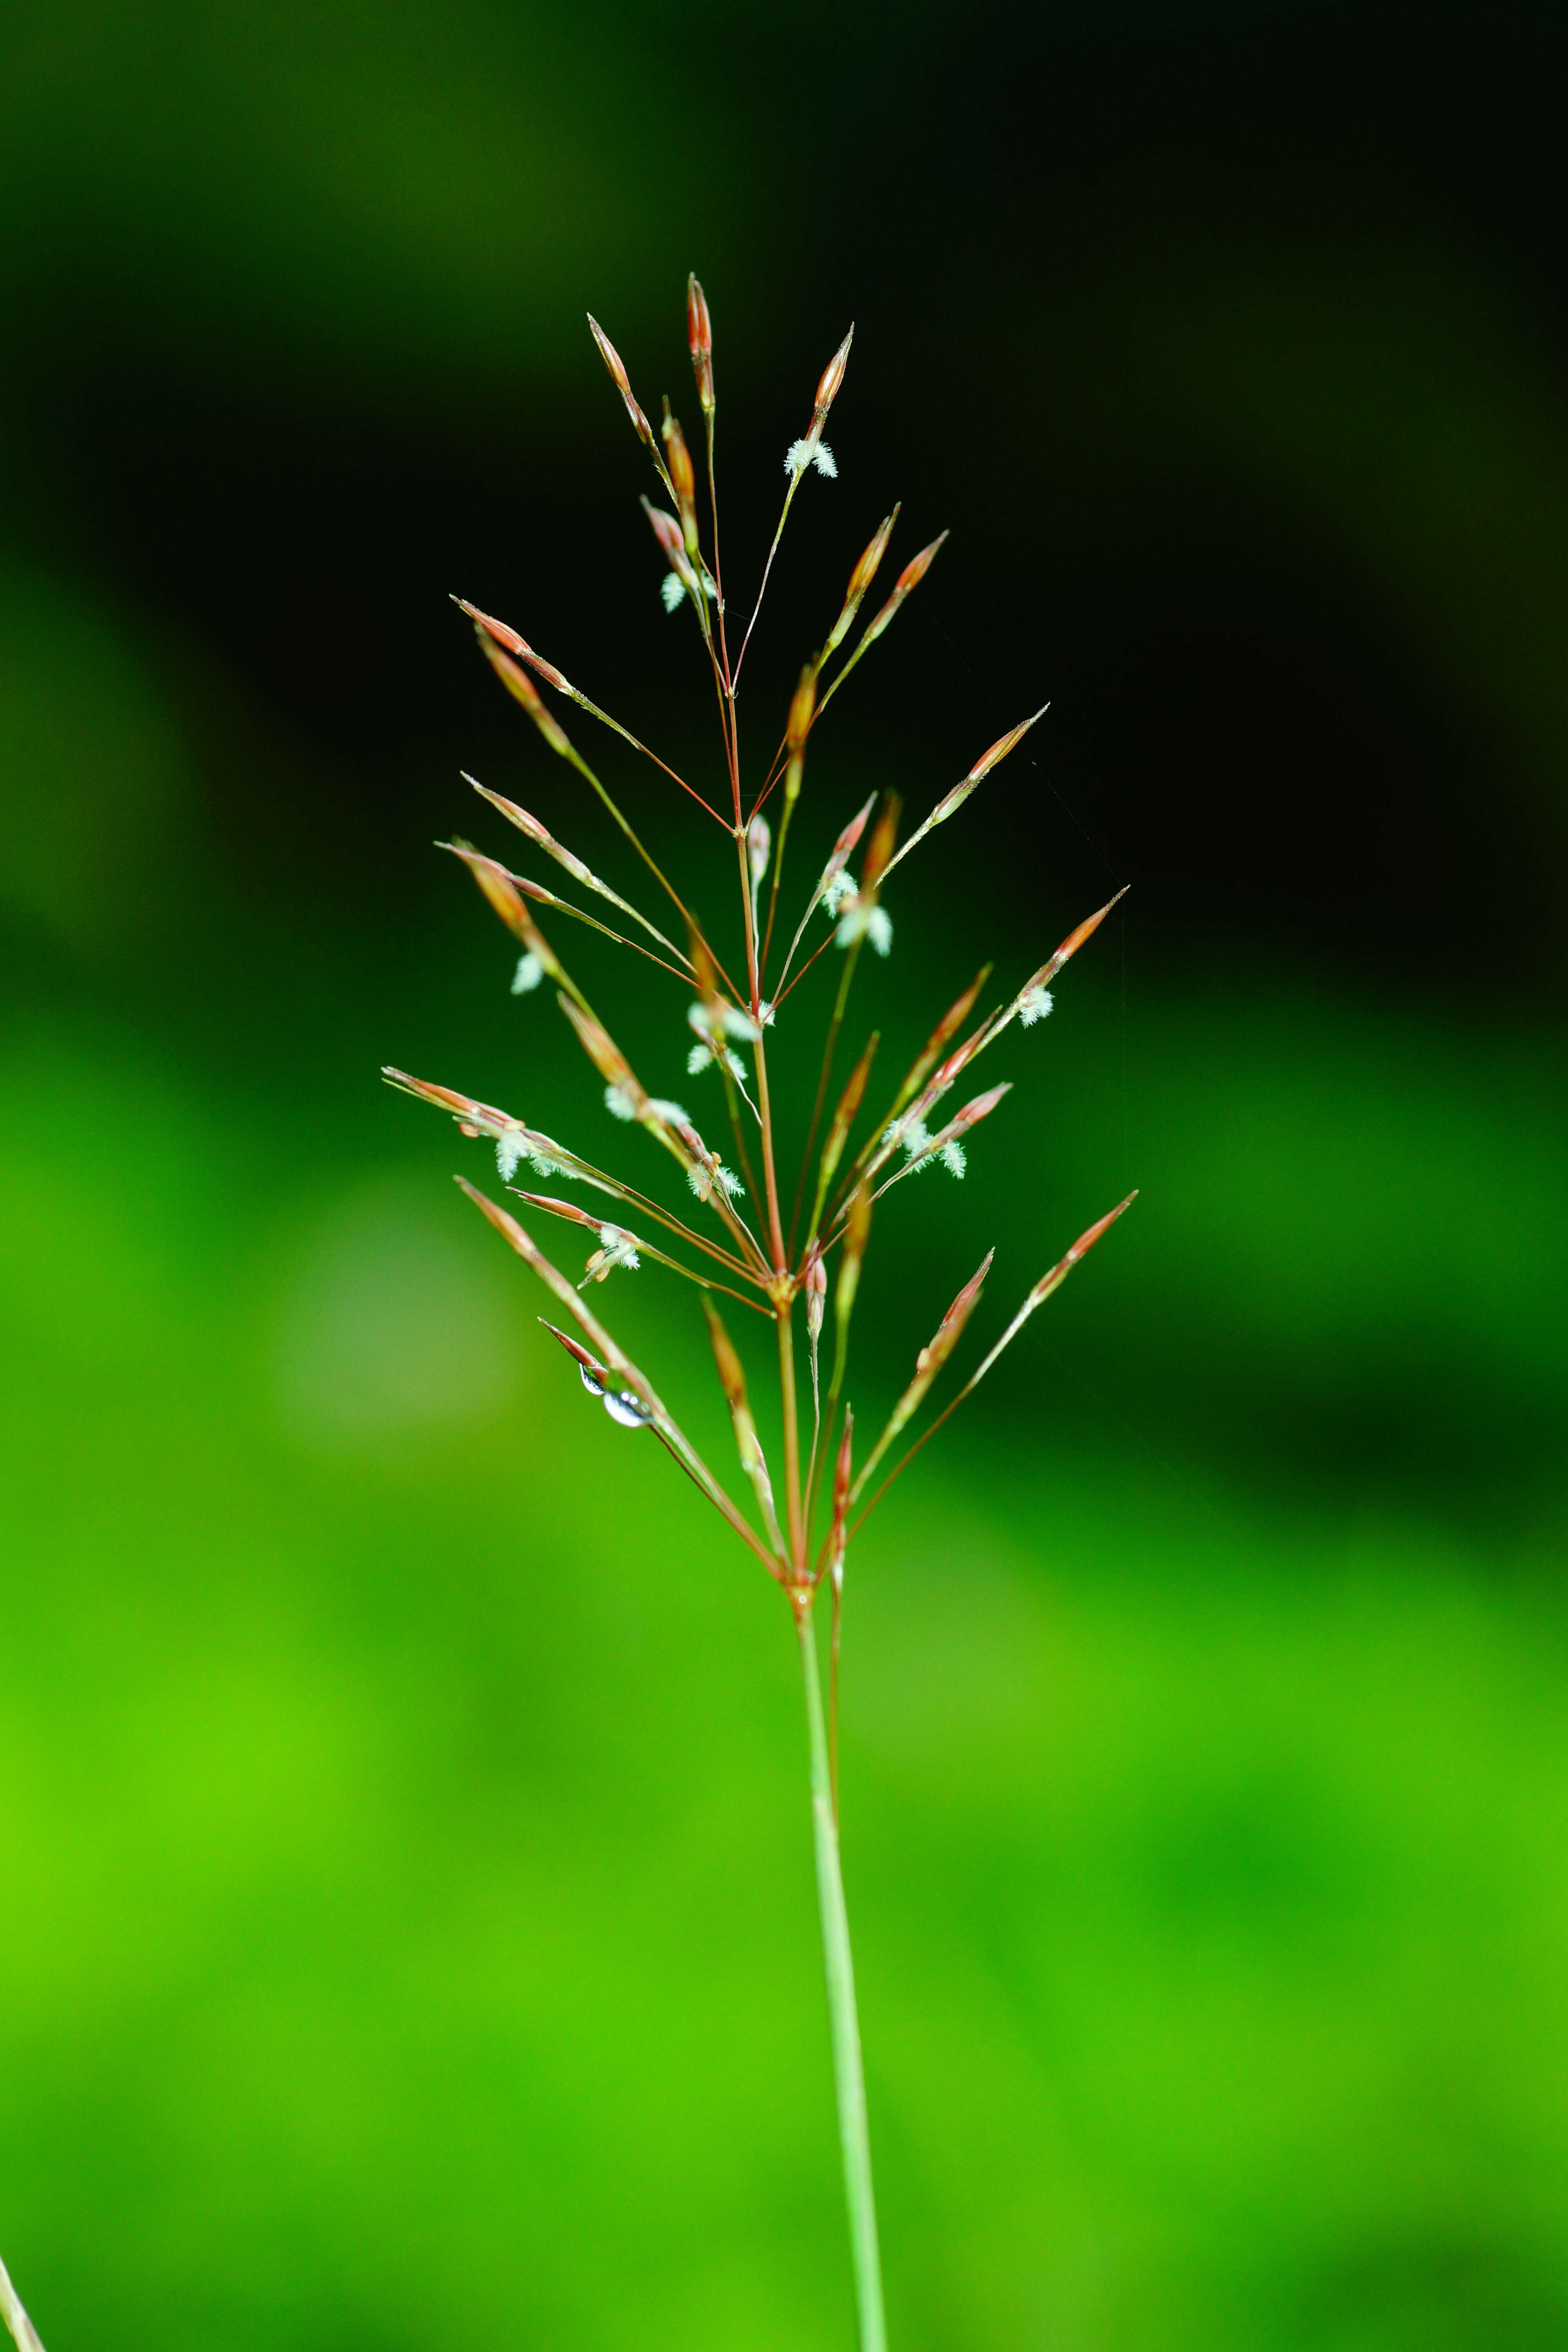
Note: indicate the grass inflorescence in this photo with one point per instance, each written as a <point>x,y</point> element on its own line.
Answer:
<point>781,1231</point>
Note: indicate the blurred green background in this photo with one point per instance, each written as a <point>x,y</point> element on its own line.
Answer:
<point>403,1839</point>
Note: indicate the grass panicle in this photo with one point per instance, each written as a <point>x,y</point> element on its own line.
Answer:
<point>804,1512</point>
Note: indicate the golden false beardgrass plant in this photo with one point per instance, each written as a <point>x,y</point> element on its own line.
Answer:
<point>813,1498</point>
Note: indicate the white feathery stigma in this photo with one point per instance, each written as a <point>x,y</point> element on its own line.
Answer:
<point>1034,1005</point>
<point>529,973</point>
<point>616,1249</point>
<point>672,592</point>
<point>872,923</point>
<point>706,1018</point>
<point>703,1178</point>
<point>618,1103</point>
<point>701,1057</point>
<point>810,451</point>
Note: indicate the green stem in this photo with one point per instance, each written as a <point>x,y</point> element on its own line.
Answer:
<point>21,2330</point>
<point>848,2078</point>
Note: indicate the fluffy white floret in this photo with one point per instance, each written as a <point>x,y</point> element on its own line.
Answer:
<point>802,454</point>
<point>703,1181</point>
<point>618,1249</point>
<point>872,923</point>
<point>1034,1005</point>
<point>672,592</point>
<point>529,973</point>
<point>618,1103</point>
<point>701,1057</point>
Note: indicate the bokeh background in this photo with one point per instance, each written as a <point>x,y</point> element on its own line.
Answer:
<point>403,1857</point>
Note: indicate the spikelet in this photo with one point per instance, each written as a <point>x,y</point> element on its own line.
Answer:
<point>622,383</point>
<point>748,1445</point>
<point>683,476</point>
<point>699,337</point>
<point>803,702</point>
<point>929,1364</point>
<point>861,579</point>
<point>960,793</point>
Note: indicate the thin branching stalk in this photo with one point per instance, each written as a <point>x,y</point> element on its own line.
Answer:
<point>23,2333</point>
<point>854,2134</point>
<point>766,1268</point>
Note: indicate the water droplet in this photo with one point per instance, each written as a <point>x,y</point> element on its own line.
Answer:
<point>628,1410</point>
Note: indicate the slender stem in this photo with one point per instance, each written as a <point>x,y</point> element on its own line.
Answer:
<point>848,2078</point>
<point>767,570</point>
<point>21,2330</point>
<point>791,1434</point>
<point>770,1163</point>
<point>829,1048</point>
<point>838,1574</point>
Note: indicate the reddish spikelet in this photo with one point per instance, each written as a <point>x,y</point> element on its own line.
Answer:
<point>504,635</point>
<point>731,1378</point>
<point>521,688</point>
<point>1080,1249</point>
<point>682,476</point>
<point>844,1117</point>
<point>748,1445</point>
<point>704,970</point>
<point>803,703</point>
<point>814,1283</point>
<point>857,1233</point>
<point>861,579</point>
<point>970,1116</point>
<point>955,799</point>
<point>665,530</point>
<point>930,1360</point>
<point>909,578</point>
<point>501,889</point>
<point>879,850</point>
<point>844,846</point>
<point>951,1020</point>
<point>672,539</point>
<point>843,1488</point>
<point>870,563</point>
<point>567,1209</point>
<point>831,378</point>
<point>1002,745</point>
<point>606,1055</point>
<point>477,1117</point>
<point>1073,941</point>
<point>699,337</point>
<point>928,1366</point>
<point>531,826</point>
<point>575,1349</point>
<point>622,383</point>
<point>841,1469</point>
<point>982,1107</point>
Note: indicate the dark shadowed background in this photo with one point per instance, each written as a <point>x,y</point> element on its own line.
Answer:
<point>403,1841</point>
